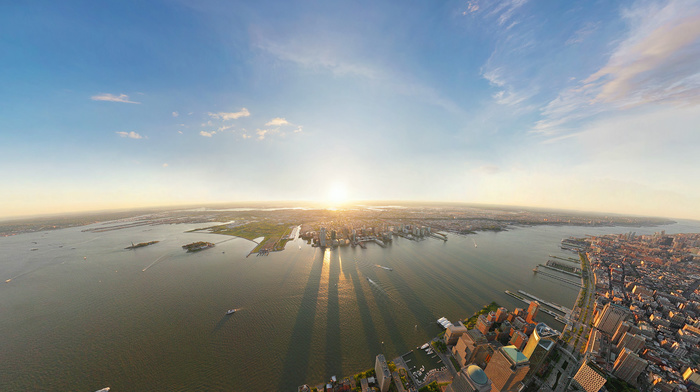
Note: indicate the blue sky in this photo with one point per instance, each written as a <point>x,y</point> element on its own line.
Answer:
<point>578,104</point>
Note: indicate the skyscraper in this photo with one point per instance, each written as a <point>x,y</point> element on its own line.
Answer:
<point>322,237</point>
<point>532,311</point>
<point>507,369</point>
<point>383,373</point>
<point>539,345</point>
<point>631,342</point>
<point>610,318</point>
<point>628,366</point>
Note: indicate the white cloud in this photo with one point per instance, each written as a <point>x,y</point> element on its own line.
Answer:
<point>175,114</point>
<point>276,122</point>
<point>245,136</point>
<point>207,134</point>
<point>112,98</point>
<point>165,165</point>
<point>180,132</point>
<point>299,129</point>
<point>261,133</point>
<point>132,135</point>
<point>656,63</point>
<point>230,116</point>
<point>224,128</point>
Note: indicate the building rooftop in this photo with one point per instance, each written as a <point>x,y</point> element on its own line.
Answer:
<point>477,375</point>
<point>515,355</point>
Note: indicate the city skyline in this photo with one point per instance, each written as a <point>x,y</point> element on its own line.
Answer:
<point>574,106</point>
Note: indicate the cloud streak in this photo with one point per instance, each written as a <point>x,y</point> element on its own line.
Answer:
<point>123,98</point>
<point>130,135</point>
<point>656,63</point>
<point>230,116</point>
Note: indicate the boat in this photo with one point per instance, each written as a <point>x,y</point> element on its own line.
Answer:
<point>103,390</point>
<point>231,311</point>
<point>423,347</point>
<point>370,280</point>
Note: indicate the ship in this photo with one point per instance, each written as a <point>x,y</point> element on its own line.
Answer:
<point>231,311</point>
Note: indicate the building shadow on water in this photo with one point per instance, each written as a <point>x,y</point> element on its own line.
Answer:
<point>350,269</point>
<point>333,348</point>
<point>296,360</point>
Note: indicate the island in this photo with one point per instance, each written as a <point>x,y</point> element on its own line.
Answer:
<point>197,246</point>
<point>141,244</point>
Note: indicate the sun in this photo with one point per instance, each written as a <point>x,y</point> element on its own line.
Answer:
<point>337,193</point>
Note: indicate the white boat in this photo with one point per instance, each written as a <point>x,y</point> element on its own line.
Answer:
<point>231,311</point>
<point>103,390</point>
<point>423,347</point>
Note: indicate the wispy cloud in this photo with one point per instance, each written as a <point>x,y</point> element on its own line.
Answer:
<point>131,135</point>
<point>230,116</point>
<point>655,64</point>
<point>581,34</point>
<point>277,122</point>
<point>503,11</point>
<point>112,98</point>
<point>175,114</point>
<point>207,134</point>
<point>165,165</point>
<point>261,133</point>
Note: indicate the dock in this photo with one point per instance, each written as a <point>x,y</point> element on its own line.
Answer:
<point>536,270</point>
<point>557,317</point>
<point>552,305</point>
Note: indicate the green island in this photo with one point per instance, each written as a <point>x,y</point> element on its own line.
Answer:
<point>141,244</point>
<point>274,234</point>
<point>197,246</point>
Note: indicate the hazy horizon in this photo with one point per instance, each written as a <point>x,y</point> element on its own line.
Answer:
<point>569,106</point>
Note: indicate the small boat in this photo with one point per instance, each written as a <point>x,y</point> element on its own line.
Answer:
<point>103,390</point>
<point>231,311</point>
<point>423,347</point>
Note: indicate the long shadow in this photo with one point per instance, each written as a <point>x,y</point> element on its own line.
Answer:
<point>296,361</point>
<point>350,269</point>
<point>333,348</point>
<point>385,306</point>
<point>421,312</point>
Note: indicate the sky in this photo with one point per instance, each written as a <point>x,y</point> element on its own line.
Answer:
<point>585,105</point>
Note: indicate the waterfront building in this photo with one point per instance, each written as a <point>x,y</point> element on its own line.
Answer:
<point>589,377</point>
<point>629,366</point>
<point>471,347</point>
<point>539,345</point>
<point>470,379</point>
<point>453,332</point>
<point>483,324</point>
<point>501,314</point>
<point>532,311</point>
<point>507,369</point>
<point>611,317</point>
<point>631,342</point>
<point>383,373</point>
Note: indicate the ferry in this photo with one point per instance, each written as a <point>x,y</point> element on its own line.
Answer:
<point>231,311</point>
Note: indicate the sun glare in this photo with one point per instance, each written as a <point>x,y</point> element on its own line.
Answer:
<point>337,194</point>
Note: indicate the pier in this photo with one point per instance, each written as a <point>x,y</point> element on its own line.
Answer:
<point>552,305</point>
<point>547,311</point>
<point>559,270</point>
<point>558,278</point>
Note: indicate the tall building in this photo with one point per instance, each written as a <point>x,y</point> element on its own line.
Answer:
<point>532,311</point>
<point>623,328</point>
<point>501,314</point>
<point>589,377</point>
<point>471,347</point>
<point>507,369</point>
<point>611,317</point>
<point>539,345</point>
<point>470,379</point>
<point>453,332</point>
<point>628,366</point>
<point>383,373</point>
<point>322,237</point>
<point>631,342</point>
<point>519,340</point>
<point>483,324</point>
